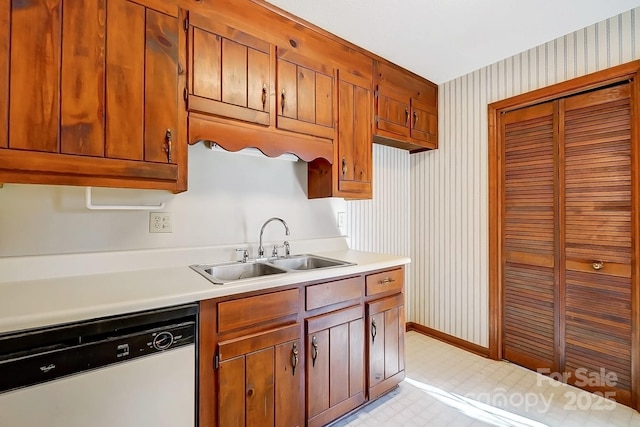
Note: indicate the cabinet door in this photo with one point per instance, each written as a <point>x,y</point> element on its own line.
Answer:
<point>386,344</point>
<point>92,94</point>
<point>335,365</point>
<point>305,95</point>
<point>392,111</point>
<point>259,380</point>
<point>141,83</point>
<point>424,122</point>
<point>288,391</point>
<point>230,72</point>
<point>354,136</point>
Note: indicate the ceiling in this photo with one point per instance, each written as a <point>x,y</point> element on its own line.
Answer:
<point>444,39</point>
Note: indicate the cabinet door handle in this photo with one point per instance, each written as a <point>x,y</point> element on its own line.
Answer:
<point>282,101</point>
<point>415,119</point>
<point>344,166</point>
<point>169,138</point>
<point>314,350</point>
<point>374,330</point>
<point>264,96</point>
<point>294,358</point>
<point>406,116</point>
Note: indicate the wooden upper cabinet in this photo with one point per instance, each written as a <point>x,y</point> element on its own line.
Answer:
<point>92,95</point>
<point>230,73</point>
<point>355,104</point>
<point>305,95</point>
<point>406,109</point>
<point>351,172</point>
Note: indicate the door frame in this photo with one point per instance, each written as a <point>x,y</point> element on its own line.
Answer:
<point>628,71</point>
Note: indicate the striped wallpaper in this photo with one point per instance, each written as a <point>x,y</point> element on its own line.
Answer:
<point>382,224</point>
<point>447,205</point>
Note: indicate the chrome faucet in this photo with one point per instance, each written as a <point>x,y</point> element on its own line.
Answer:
<point>286,230</point>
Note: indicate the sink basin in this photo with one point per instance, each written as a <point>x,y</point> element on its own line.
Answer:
<point>225,273</point>
<point>307,262</point>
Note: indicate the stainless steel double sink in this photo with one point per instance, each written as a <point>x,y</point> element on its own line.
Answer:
<point>226,273</point>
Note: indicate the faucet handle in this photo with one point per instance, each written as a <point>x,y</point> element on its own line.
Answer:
<point>274,253</point>
<point>245,253</point>
<point>287,249</point>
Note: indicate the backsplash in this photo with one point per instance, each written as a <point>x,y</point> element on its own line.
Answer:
<point>230,196</point>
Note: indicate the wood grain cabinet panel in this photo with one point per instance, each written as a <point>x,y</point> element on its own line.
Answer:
<point>335,364</point>
<point>305,90</point>
<point>336,292</point>
<point>230,72</point>
<point>386,344</point>
<point>385,282</point>
<point>246,312</point>
<point>259,379</point>
<point>93,96</point>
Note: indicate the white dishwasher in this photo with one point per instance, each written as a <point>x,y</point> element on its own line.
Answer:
<point>131,370</point>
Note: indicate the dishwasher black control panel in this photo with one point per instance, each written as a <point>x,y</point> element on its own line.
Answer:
<point>32,357</point>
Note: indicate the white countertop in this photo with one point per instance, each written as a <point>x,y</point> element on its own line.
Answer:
<point>36,302</point>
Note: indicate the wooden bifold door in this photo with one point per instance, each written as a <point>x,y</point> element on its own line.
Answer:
<point>566,239</point>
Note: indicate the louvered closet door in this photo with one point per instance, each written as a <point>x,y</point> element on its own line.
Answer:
<point>597,218</point>
<point>529,250</point>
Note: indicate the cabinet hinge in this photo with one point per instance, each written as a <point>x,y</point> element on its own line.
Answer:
<point>216,361</point>
<point>377,91</point>
<point>376,119</point>
<point>186,24</point>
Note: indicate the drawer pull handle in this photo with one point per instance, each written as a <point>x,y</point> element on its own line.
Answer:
<point>386,281</point>
<point>374,330</point>
<point>294,358</point>
<point>598,265</point>
<point>314,350</point>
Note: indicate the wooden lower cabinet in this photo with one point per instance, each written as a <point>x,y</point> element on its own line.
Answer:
<point>335,364</point>
<point>385,327</point>
<point>259,379</point>
<point>305,354</point>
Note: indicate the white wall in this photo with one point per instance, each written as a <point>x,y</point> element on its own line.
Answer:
<point>229,198</point>
<point>449,198</point>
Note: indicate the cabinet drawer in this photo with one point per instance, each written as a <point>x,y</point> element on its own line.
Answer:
<point>385,281</point>
<point>245,312</point>
<point>335,292</point>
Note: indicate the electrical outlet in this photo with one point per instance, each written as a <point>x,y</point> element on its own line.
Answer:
<point>342,219</point>
<point>160,222</point>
